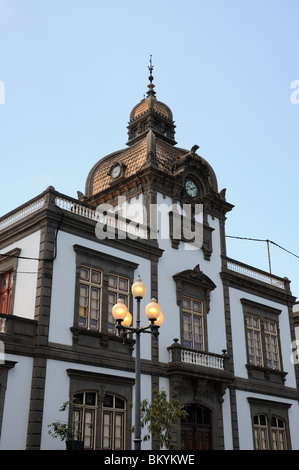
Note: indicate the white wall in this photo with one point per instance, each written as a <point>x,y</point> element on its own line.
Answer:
<point>174,261</point>
<point>16,404</point>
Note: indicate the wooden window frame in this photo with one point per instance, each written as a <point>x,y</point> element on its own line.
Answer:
<point>194,284</point>
<point>90,286</point>
<point>265,314</point>
<point>113,412</point>
<point>6,292</point>
<point>193,316</point>
<point>109,266</point>
<point>8,265</point>
<point>79,424</point>
<point>271,411</point>
<point>117,292</point>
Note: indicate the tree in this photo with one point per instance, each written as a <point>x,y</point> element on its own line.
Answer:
<point>161,417</point>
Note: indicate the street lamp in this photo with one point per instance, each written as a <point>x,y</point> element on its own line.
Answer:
<point>123,320</point>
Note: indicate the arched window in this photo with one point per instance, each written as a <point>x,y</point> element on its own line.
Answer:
<point>269,433</point>
<point>196,428</point>
<point>113,423</point>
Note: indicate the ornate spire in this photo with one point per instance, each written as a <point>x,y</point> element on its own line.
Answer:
<point>151,114</point>
<point>151,86</point>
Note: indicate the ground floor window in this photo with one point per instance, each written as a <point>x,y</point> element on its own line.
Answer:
<point>84,418</point>
<point>270,424</point>
<point>101,415</point>
<point>269,435</point>
<point>196,428</point>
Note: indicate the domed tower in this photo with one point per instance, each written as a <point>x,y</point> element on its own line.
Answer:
<point>152,166</point>
<point>151,114</point>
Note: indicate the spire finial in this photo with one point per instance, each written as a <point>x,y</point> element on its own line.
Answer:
<point>151,78</point>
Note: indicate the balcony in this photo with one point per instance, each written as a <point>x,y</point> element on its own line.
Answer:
<point>52,198</point>
<point>202,364</point>
<point>17,333</point>
<point>242,276</point>
<point>259,275</point>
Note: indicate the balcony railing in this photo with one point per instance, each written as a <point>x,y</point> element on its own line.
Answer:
<point>257,274</point>
<point>112,220</point>
<point>178,353</point>
<point>52,198</point>
<point>22,212</point>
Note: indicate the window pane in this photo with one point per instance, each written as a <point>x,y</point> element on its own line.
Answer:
<point>83,295</point>
<point>107,430</point>
<point>95,293</point>
<point>84,274</point>
<point>90,398</point>
<point>186,304</point>
<point>263,421</point>
<point>123,284</point>
<point>78,398</point>
<point>187,330</point>
<point>77,425</point>
<point>254,343</point>
<point>5,279</point>
<point>193,333</point>
<point>108,401</point>
<point>117,289</point>
<point>119,403</point>
<point>112,282</point>
<point>89,298</point>
<point>96,277</point>
<point>118,431</point>
<point>88,429</point>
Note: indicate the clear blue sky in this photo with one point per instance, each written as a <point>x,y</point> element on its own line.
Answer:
<point>74,69</point>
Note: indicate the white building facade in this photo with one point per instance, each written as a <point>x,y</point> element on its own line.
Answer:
<point>224,349</point>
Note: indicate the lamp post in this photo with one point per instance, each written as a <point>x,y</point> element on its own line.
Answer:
<point>123,320</point>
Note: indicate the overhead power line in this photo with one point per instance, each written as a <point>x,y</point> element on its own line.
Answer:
<point>268,246</point>
<point>264,240</point>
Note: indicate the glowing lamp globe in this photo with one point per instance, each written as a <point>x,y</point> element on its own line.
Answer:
<point>119,310</point>
<point>138,289</point>
<point>127,320</point>
<point>152,310</point>
<point>159,320</point>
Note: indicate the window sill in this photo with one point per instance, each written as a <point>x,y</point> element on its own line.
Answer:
<point>98,340</point>
<point>262,373</point>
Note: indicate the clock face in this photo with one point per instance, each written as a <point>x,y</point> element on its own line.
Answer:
<point>191,188</point>
<point>115,172</point>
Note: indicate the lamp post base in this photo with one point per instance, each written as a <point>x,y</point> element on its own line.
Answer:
<point>137,444</point>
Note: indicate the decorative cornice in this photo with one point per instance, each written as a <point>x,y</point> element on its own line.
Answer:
<point>197,277</point>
